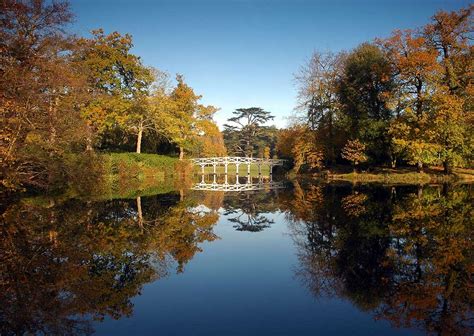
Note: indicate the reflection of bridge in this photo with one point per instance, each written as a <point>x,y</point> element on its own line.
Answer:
<point>237,186</point>
<point>237,161</point>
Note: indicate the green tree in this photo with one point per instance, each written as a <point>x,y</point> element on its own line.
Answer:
<point>242,135</point>
<point>364,89</point>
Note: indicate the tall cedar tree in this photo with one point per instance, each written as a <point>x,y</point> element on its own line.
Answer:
<point>246,128</point>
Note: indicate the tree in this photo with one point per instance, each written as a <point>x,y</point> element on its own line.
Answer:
<point>180,117</point>
<point>364,89</point>
<point>266,139</point>
<point>449,132</point>
<point>317,97</point>
<point>450,34</point>
<point>416,71</point>
<point>300,144</point>
<point>354,151</point>
<point>140,117</point>
<point>211,140</point>
<point>40,93</point>
<point>306,150</point>
<point>266,152</point>
<point>118,84</point>
<point>241,137</point>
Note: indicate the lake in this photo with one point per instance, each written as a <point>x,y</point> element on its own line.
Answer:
<point>263,258</point>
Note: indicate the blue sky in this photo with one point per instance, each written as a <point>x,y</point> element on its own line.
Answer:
<point>242,53</point>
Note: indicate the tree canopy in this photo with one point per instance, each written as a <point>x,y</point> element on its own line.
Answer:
<point>245,129</point>
<point>407,98</point>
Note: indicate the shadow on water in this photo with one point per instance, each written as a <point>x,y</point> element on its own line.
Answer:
<point>402,254</point>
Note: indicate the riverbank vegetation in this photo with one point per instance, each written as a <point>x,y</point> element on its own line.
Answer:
<point>404,100</point>
<point>66,101</point>
<point>66,98</point>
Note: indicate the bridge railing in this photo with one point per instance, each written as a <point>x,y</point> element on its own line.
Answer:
<point>237,161</point>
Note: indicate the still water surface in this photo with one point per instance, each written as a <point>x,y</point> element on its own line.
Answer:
<point>307,259</point>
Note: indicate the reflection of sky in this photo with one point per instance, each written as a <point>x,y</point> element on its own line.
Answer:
<point>243,53</point>
<point>242,284</point>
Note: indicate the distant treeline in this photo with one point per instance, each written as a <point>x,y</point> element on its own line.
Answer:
<point>405,99</point>
<point>62,97</point>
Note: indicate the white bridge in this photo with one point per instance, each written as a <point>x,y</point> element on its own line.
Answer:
<point>237,186</point>
<point>237,161</point>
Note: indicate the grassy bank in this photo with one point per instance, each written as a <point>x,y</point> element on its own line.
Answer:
<point>128,175</point>
<point>402,176</point>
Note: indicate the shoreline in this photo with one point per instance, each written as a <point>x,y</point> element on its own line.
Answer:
<point>404,175</point>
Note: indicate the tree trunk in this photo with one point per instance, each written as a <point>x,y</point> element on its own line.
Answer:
<point>89,139</point>
<point>139,138</point>
<point>419,166</point>
<point>139,212</point>
<point>447,168</point>
<point>181,153</point>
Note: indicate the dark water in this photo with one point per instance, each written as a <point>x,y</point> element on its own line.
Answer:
<point>309,259</point>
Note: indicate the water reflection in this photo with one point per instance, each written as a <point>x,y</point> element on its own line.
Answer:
<point>228,183</point>
<point>64,264</point>
<point>400,254</point>
<point>403,254</point>
<point>251,211</point>
<point>247,200</point>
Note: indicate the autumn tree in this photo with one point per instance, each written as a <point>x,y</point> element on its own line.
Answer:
<point>449,131</point>
<point>450,35</point>
<point>244,130</point>
<point>300,144</point>
<point>182,120</point>
<point>354,151</point>
<point>118,84</point>
<point>318,100</point>
<point>306,150</point>
<point>40,94</point>
<point>210,139</point>
<point>416,71</point>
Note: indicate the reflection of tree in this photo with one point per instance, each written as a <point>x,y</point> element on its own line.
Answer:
<point>353,204</point>
<point>404,255</point>
<point>179,233</point>
<point>434,261</point>
<point>248,211</point>
<point>330,240</point>
<point>61,264</point>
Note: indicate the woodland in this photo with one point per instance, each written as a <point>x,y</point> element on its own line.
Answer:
<point>400,101</point>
